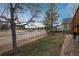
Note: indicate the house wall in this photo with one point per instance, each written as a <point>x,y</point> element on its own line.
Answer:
<point>66,27</point>
<point>75,22</point>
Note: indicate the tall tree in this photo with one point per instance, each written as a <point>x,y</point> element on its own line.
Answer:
<point>51,17</point>
<point>12,15</point>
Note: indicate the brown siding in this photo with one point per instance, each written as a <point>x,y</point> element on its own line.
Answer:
<point>75,22</point>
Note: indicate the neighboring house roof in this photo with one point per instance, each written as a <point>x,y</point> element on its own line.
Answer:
<point>67,21</point>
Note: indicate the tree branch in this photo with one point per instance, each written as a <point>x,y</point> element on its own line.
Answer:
<point>5,18</point>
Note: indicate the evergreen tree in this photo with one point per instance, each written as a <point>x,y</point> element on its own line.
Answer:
<point>51,17</point>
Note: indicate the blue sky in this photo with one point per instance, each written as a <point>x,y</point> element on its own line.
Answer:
<point>61,7</point>
<point>63,10</point>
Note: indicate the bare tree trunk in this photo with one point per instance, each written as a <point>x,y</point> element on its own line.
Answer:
<point>14,45</point>
<point>52,33</point>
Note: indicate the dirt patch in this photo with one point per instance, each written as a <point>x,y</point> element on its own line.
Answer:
<point>70,47</point>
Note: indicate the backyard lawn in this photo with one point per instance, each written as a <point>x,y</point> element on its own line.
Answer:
<point>47,46</point>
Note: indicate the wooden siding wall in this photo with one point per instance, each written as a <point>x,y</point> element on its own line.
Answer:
<point>75,22</point>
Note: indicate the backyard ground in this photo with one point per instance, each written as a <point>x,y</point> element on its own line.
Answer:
<point>22,39</point>
<point>47,46</point>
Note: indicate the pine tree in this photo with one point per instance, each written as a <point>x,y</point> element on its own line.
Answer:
<point>51,17</point>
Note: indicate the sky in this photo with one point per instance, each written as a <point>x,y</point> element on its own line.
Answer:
<point>64,11</point>
<point>61,10</point>
<point>61,7</point>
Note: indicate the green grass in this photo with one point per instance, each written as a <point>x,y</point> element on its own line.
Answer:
<point>47,46</point>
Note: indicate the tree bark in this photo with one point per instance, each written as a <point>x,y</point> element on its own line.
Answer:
<point>14,45</point>
<point>52,33</point>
